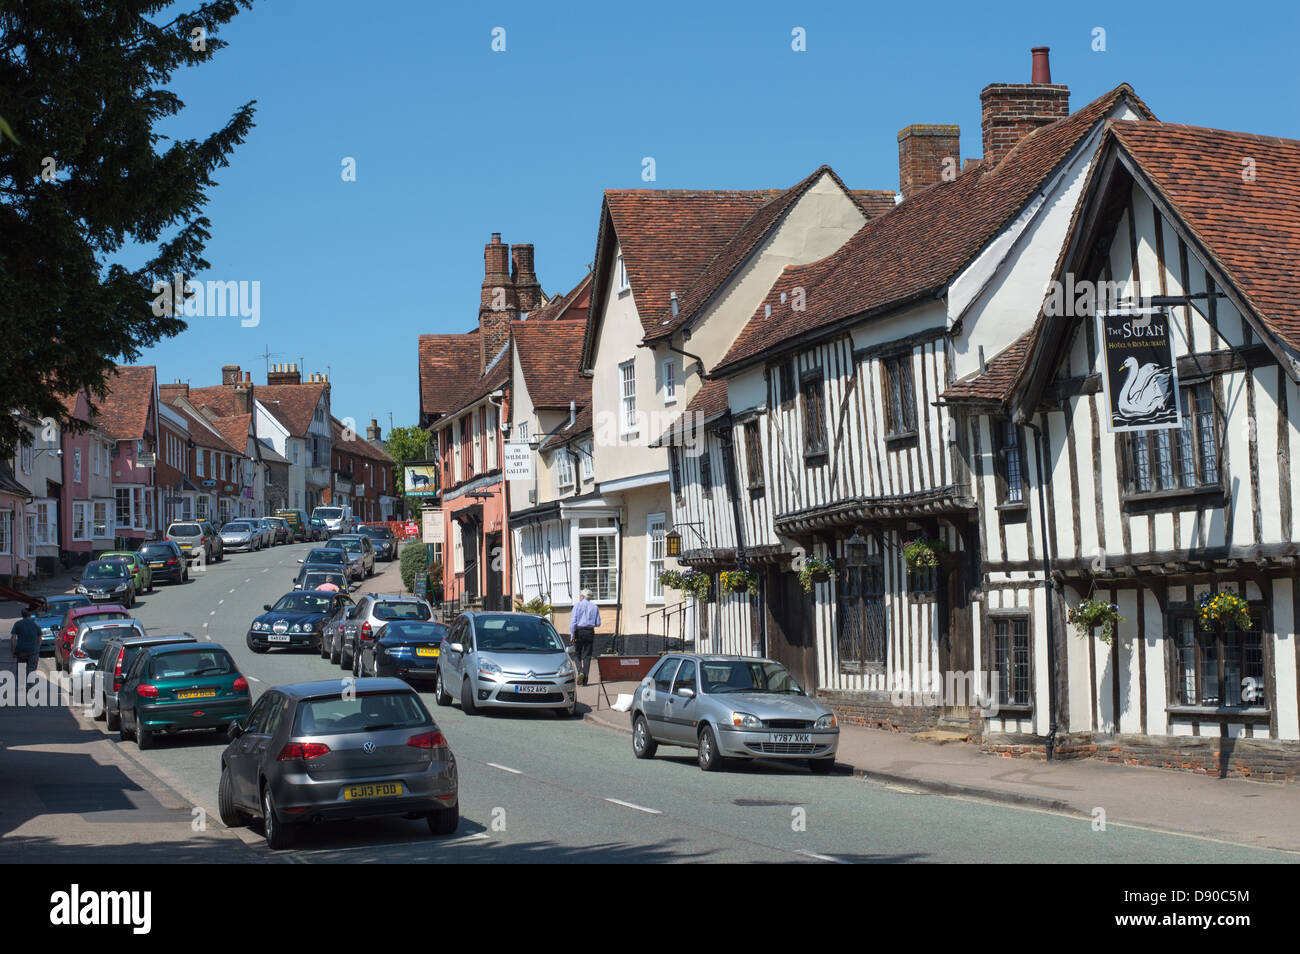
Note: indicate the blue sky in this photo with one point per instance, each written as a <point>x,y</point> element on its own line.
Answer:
<point>453,141</point>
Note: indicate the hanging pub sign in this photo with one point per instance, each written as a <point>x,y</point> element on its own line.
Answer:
<point>1139,373</point>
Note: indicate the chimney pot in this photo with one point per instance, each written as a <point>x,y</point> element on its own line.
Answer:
<point>1012,111</point>
<point>1041,73</point>
<point>925,153</point>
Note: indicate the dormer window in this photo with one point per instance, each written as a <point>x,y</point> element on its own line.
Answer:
<point>623,284</point>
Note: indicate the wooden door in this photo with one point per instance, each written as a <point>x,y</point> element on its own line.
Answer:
<point>791,636</point>
<point>956,641</point>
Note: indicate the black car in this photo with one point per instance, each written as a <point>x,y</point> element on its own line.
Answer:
<point>406,649</point>
<point>295,620</point>
<point>383,540</point>
<point>107,581</point>
<point>166,561</point>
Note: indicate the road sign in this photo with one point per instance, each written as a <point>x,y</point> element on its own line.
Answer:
<point>519,461</point>
<point>420,478</point>
<point>146,459</point>
<point>433,528</point>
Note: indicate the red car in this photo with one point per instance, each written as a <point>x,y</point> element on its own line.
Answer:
<point>74,618</point>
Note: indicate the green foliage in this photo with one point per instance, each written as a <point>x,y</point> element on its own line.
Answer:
<point>691,582</point>
<point>923,552</point>
<point>83,172</point>
<point>1093,613</point>
<point>412,563</point>
<point>407,444</point>
<point>1226,608</point>
<point>537,606</point>
<point>738,581</point>
<point>811,567</point>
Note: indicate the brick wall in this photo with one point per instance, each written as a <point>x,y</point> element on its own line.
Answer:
<point>876,710</point>
<point>1011,111</point>
<point>923,151</point>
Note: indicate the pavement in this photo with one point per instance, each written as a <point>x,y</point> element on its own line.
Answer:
<point>1237,811</point>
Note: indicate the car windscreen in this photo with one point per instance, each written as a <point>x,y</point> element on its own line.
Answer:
<point>185,530</point>
<point>237,527</point>
<point>195,662</point>
<point>363,712</point>
<point>96,617</point>
<point>327,513</point>
<point>745,676</point>
<point>313,580</point>
<point>323,555</point>
<point>60,605</point>
<point>528,634</point>
<point>414,632</point>
<point>303,602</point>
<point>401,610</point>
<point>157,551</point>
<point>380,532</point>
<point>94,640</point>
<point>104,571</point>
<point>351,546</point>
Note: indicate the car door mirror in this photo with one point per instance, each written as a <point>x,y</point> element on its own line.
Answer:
<point>299,561</point>
<point>266,606</point>
<point>234,730</point>
<point>686,692</point>
<point>456,647</point>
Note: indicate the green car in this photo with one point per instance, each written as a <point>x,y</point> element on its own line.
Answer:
<point>178,686</point>
<point>141,574</point>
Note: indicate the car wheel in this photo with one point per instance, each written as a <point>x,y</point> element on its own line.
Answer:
<point>150,588</point>
<point>643,744</point>
<point>440,694</point>
<point>710,760</point>
<point>278,835</point>
<point>144,738</point>
<point>231,816</point>
<point>345,658</point>
<point>324,647</point>
<point>123,733</point>
<point>821,766</point>
<point>112,720</point>
<point>256,648</point>
<point>467,698</point>
<point>335,652</point>
<point>444,821</point>
<point>99,709</point>
<point>356,665</point>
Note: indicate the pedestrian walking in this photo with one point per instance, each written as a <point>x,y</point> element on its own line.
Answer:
<point>582,627</point>
<point>27,642</point>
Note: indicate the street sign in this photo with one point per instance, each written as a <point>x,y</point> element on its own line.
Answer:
<point>210,482</point>
<point>146,459</point>
<point>519,461</point>
<point>433,529</point>
<point>420,478</point>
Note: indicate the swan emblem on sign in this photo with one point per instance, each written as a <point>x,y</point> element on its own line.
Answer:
<point>1145,393</point>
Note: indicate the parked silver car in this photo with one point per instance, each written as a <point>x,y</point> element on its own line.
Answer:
<point>337,749</point>
<point>114,662</point>
<point>357,547</point>
<point>241,535</point>
<point>731,707</point>
<point>88,645</point>
<point>505,660</point>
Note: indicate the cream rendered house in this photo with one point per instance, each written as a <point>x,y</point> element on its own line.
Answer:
<point>677,275</point>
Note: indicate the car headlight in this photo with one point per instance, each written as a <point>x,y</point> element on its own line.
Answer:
<point>119,589</point>
<point>565,668</point>
<point>746,721</point>
<point>81,590</point>
<point>489,667</point>
<point>260,626</point>
<point>827,721</point>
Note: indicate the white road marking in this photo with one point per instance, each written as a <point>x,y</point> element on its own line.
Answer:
<point>246,581</point>
<point>219,602</point>
<point>254,678</point>
<point>266,570</point>
<point>640,808</point>
<point>234,591</point>
<point>213,613</point>
<point>505,768</point>
<point>813,854</point>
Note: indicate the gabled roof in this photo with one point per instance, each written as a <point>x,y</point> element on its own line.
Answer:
<point>123,413</point>
<point>234,429</point>
<point>565,433</point>
<point>912,252</point>
<point>709,404</point>
<point>9,485</point>
<point>731,255</point>
<point>1250,228</point>
<point>445,360</point>
<point>550,354</point>
<point>573,305</point>
<point>203,432</point>
<point>356,444</point>
<point>293,405</point>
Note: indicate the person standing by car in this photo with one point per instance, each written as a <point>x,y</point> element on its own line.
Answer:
<point>582,627</point>
<point>27,641</point>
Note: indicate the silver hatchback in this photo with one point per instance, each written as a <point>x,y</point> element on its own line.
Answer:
<point>731,707</point>
<point>508,661</point>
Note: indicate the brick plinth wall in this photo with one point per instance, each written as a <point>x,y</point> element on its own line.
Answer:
<point>876,710</point>
<point>1265,760</point>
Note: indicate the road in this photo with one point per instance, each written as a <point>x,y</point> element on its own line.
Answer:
<point>538,788</point>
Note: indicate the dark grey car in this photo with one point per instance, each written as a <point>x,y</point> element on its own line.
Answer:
<point>337,749</point>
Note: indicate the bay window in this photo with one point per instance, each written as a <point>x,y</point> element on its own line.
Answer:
<point>598,557</point>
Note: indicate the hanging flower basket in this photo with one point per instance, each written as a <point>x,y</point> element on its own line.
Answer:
<point>694,582</point>
<point>815,571</point>
<point>1227,609</point>
<point>923,553</point>
<point>738,581</point>
<point>1092,613</point>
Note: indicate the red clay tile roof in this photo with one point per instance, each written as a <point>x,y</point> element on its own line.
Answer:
<point>124,411</point>
<point>445,360</point>
<point>999,377</point>
<point>669,236</point>
<point>356,445</point>
<point>913,251</point>
<point>571,306</point>
<point>234,429</point>
<point>874,202</point>
<point>733,253</point>
<point>1252,229</point>
<point>202,431</point>
<point>293,405</point>
<point>709,404</point>
<point>550,355</point>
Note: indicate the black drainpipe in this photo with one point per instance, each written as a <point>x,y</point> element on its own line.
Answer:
<point>1048,585</point>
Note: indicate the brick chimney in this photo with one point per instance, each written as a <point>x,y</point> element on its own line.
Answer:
<point>372,430</point>
<point>498,305</point>
<point>244,396</point>
<point>925,152</point>
<point>284,374</point>
<point>527,290</point>
<point>230,374</point>
<point>170,391</point>
<point>1012,111</point>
